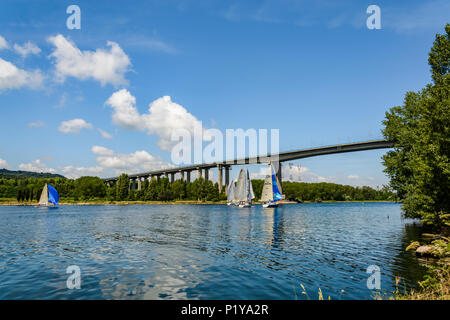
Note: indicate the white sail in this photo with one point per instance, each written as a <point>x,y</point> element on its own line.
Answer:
<point>241,188</point>
<point>267,192</point>
<point>251,195</point>
<point>231,196</point>
<point>43,201</point>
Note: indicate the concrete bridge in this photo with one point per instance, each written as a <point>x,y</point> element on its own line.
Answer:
<point>185,171</point>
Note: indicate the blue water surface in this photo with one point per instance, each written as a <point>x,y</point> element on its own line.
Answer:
<point>205,251</point>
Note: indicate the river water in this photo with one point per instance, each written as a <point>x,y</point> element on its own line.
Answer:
<point>205,251</point>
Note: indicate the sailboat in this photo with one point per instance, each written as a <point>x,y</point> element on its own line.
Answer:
<point>49,196</point>
<point>244,190</point>
<point>231,194</point>
<point>271,192</point>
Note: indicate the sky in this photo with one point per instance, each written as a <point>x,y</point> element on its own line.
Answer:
<point>106,98</point>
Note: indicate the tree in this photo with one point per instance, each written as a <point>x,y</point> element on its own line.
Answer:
<point>419,167</point>
<point>122,187</point>
<point>90,187</point>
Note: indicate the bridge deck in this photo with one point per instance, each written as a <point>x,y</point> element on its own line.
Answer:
<point>281,157</point>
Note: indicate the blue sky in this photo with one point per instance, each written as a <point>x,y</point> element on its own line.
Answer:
<point>311,69</point>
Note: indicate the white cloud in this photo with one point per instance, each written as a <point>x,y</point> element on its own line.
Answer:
<point>130,163</point>
<point>102,151</point>
<point>140,41</point>
<point>74,126</point>
<point>3,164</point>
<point>293,173</point>
<point>105,134</point>
<point>36,166</point>
<point>76,172</point>
<point>103,65</point>
<point>125,113</point>
<point>12,77</point>
<point>38,123</point>
<point>163,118</point>
<point>27,49</point>
<point>3,43</point>
<point>353,176</point>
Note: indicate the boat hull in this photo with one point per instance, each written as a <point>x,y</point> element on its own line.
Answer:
<point>270,205</point>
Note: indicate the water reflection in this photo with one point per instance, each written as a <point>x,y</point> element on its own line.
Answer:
<point>204,252</point>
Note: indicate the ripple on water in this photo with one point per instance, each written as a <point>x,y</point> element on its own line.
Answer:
<point>204,252</point>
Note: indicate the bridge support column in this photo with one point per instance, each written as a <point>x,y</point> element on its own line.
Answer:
<point>220,177</point>
<point>206,174</point>
<point>188,176</point>
<point>166,175</point>
<point>199,172</point>
<point>227,178</point>
<point>139,184</point>
<point>279,175</point>
<point>172,177</point>
<point>182,175</point>
<point>131,185</point>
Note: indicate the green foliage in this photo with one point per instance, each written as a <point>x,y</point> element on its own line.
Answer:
<point>419,167</point>
<point>94,188</point>
<point>10,174</point>
<point>122,187</point>
<point>302,191</point>
<point>90,187</point>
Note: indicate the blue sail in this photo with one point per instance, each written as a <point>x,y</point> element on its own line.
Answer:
<point>275,190</point>
<point>53,196</point>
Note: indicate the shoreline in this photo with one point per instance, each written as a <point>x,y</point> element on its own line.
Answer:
<point>180,202</point>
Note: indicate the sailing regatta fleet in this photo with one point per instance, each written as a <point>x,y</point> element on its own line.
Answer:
<point>240,193</point>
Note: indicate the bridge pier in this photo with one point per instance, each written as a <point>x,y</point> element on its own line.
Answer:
<point>139,184</point>
<point>206,174</point>
<point>172,177</point>
<point>131,184</point>
<point>227,178</point>
<point>188,176</point>
<point>279,175</point>
<point>199,173</point>
<point>219,167</point>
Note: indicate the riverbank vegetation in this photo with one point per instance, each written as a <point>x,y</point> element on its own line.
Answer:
<point>435,254</point>
<point>419,166</point>
<point>93,189</point>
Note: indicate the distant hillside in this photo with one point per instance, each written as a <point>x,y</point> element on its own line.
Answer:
<point>10,174</point>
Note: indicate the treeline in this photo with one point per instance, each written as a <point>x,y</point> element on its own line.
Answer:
<point>323,191</point>
<point>94,188</point>
<point>163,190</point>
<point>11,174</point>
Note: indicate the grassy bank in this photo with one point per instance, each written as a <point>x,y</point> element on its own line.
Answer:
<point>435,286</point>
<point>435,255</point>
